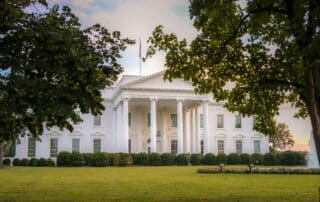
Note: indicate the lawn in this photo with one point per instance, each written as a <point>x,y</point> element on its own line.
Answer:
<point>151,184</point>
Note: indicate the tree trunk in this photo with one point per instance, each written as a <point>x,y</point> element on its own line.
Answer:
<point>1,154</point>
<point>315,122</point>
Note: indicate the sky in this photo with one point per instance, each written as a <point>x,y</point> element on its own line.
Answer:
<point>136,19</point>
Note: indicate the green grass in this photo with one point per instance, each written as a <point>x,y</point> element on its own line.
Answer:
<point>151,184</point>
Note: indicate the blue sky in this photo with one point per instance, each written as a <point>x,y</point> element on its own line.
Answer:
<point>137,19</point>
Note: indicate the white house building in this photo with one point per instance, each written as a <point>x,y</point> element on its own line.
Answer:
<point>148,114</point>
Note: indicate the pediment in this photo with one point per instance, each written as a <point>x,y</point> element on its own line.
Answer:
<point>54,133</point>
<point>97,133</point>
<point>156,81</point>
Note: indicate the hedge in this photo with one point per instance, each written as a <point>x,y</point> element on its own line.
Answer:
<point>222,158</point>
<point>16,162</point>
<point>256,158</point>
<point>122,159</point>
<point>308,171</point>
<point>209,159</point>
<point>63,158</point>
<point>154,159</point>
<point>33,162</point>
<point>42,162</point>
<point>233,159</point>
<point>196,159</point>
<point>6,162</point>
<point>269,159</point>
<point>75,159</point>
<point>168,159</point>
<point>182,159</point>
<point>140,159</point>
<point>244,158</point>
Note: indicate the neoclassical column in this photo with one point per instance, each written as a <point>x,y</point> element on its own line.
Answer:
<point>186,129</point>
<point>197,130</point>
<point>193,130</point>
<point>114,129</point>
<point>118,131</point>
<point>153,125</point>
<point>205,127</point>
<point>125,126</point>
<point>179,126</point>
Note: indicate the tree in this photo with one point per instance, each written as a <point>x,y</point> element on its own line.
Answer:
<point>269,50</point>
<point>50,67</point>
<point>283,139</point>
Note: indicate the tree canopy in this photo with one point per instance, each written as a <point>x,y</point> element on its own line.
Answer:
<point>283,139</point>
<point>269,50</point>
<point>50,67</point>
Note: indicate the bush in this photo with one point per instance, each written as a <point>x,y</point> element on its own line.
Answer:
<point>140,159</point>
<point>154,159</point>
<point>233,159</point>
<point>182,159</point>
<point>168,159</point>
<point>16,162</point>
<point>63,158</point>
<point>256,158</point>
<point>88,159</point>
<point>24,162</point>
<point>6,162</point>
<point>287,158</point>
<point>42,162</point>
<point>301,158</point>
<point>75,159</point>
<point>244,158</point>
<point>122,159</point>
<point>100,160</point>
<point>51,162</point>
<point>209,159</point>
<point>33,162</point>
<point>269,159</point>
<point>222,158</point>
<point>196,159</point>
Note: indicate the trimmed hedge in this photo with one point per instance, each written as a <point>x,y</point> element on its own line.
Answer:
<point>16,162</point>
<point>63,158</point>
<point>99,160</point>
<point>209,159</point>
<point>24,162</point>
<point>269,159</point>
<point>51,162</point>
<point>6,162</point>
<point>182,159</point>
<point>222,158</point>
<point>33,162</point>
<point>195,159</point>
<point>122,159</point>
<point>75,159</point>
<point>244,158</point>
<point>308,171</point>
<point>140,159</point>
<point>256,158</point>
<point>168,159</point>
<point>233,159</point>
<point>42,162</point>
<point>154,159</point>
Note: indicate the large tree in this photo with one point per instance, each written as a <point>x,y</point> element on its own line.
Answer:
<point>269,50</point>
<point>50,67</point>
<point>283,139</point>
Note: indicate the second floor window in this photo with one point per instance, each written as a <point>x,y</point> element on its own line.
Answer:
<point>173,120</point>
<point>237,121</point>
<point>220,121</point>
<point>97,120</point>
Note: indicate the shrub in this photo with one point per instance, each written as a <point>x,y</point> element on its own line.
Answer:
<point>269,159</point>
<point>42,162</point>
<point>154,159</point>
<point>222,158</point>
<point>168,159</point>
<point>6,162</point>
<point>111,157</point>
<point>301,158</point>
<point>99,160</point>
<point>182,159</point>
<point>140,159</point>
<point>75,159</point>
<point>196,159</point>
<point>209,159</point>
<point>122,159</point>
<point>287,158</point>
<point>51,162</point>
<point>24,162</point>
<point>233,159</point>
<point>16,162</point>
<point>256,158</point>
<point>244,158</point>
<point>88,159</point>
<point>33,162</point>
<point>63,158</point>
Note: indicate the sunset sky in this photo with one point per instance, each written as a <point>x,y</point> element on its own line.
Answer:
<point>137,19</point>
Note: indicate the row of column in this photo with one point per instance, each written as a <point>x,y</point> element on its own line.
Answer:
<point>192,127</point>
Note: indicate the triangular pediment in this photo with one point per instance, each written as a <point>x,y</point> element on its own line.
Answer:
<point>156,81</point>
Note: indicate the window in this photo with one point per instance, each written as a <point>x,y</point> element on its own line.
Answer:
<point>238,146</point>
<point>201,147</point>
<point>220,146</point>
<point>53,147</point>
<point>149,119</point>
<point>237,121</point>
<point>96,145</point>
<point>129,146</point>
<point>149,150</point>
<point>201,120</point>
<point>220,121</point>
<point>173,120</point>
<point>254,121</point>
<point>11,151</point>
<point>75,145</point>
<point>129,119</point>
<point>97,120</point>
<point>31,147</point>
<point>256,145</point>
<point>174,146</point>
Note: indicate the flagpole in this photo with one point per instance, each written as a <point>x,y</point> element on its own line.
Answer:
<point>140,55</point>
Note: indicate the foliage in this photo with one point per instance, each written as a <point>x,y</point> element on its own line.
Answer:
<point>209,159</point>
<point>88,159</point>
<point>168,159</point>
<point>233,159</point>
<point>24,162</point>
<point>256,158</point>
<point>75,159</point>
<point>283,139</point>
<point>122,159</point>
<point>244,158</point>
<point>140,159</point>
<point>269,51</point>
<point>16,162</point>
<point>7,162</point>
<point>196,159</point>
<point>222,158</point>
<point>269,159</point>
<point>154,159</point>
<point>99,159</point>
<point>51,162</point>
<point>42,162</point>
<point>287,158</point>
<point>33,162</point>
<point>63,158</point>
<point>182,159</point>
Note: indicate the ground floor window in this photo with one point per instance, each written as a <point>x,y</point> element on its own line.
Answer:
<point>75,144</point>
<point>238,146</point>
<point>256,146</point>
<point>174,146</point>
<point>53,147</point>
<point>201,147</point>
<point>96,145</point>
<point>31,147</point>
<point>11,151</point>
<point>220,146</point>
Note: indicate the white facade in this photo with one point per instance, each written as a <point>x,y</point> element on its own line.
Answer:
<point>147,114</point>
